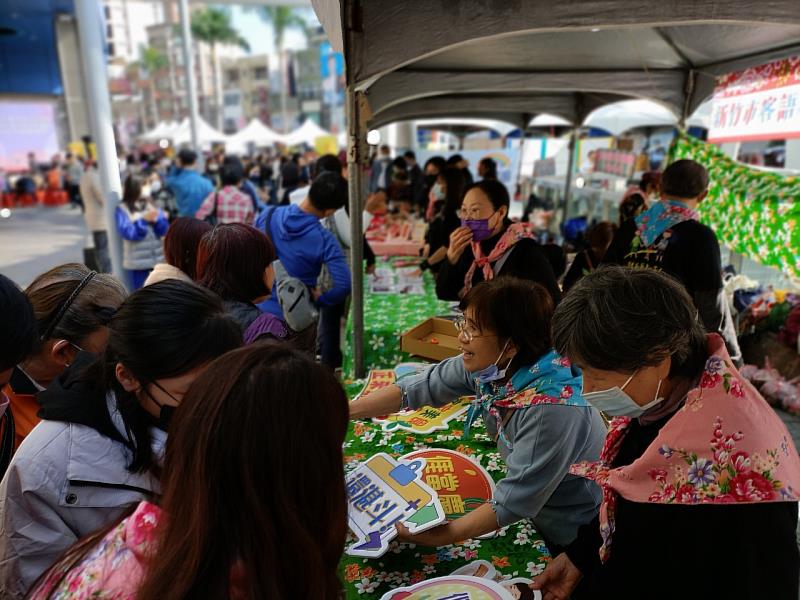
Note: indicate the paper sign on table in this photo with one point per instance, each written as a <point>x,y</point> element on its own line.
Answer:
<point>383,491</point>
<point>377,379</point>
<point>461,587</point>
<point>462,484</point>
<point>425,419</point>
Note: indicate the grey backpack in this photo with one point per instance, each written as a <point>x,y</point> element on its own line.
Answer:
<point>294,296</point>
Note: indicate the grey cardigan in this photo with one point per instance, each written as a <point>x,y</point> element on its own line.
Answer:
<point>65,482</point>
<point>546,440</point>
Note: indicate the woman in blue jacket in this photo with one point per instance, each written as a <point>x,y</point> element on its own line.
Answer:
<point>141,226</point>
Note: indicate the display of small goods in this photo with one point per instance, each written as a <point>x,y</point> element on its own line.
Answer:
<point>383,491</point>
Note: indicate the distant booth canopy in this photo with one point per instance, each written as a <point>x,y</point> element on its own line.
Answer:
<point>512,60</point>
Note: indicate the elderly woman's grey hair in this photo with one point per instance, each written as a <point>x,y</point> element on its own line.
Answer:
<point>621,319</point>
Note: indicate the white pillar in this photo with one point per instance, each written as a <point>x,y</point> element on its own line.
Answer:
<point>90,34</point>
<point>191,84</point>
<point>793,154</point>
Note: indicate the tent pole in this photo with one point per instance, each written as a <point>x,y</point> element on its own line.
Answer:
<point>356,157</point>
<point>191,84</point>
<point>93,55</point>
<point>573,140</point>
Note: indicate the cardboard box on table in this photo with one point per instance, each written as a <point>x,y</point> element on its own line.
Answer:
<point>435,339</point>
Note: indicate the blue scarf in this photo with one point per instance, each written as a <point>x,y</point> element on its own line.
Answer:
<point>660,217</point>
<point>550,380</point>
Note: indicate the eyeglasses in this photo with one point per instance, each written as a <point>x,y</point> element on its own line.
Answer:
<point>473,214</point>
<point>468,331</point>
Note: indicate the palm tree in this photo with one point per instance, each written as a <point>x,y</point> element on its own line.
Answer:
<point>152,61</point>
<point>282,18</point>
<point>213,26</point>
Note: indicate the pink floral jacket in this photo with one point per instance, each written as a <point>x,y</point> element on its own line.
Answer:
<point>112,570</point>
<point>725,445</point>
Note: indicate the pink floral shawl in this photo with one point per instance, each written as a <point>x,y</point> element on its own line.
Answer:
<point>514,233</point>
<point>725,445</point>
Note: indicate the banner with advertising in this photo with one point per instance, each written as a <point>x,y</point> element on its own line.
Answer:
<point>760,103</point>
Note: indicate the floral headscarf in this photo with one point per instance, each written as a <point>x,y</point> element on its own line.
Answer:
<point>725,445</point>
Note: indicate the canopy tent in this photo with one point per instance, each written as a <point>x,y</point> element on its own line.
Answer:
<point>206,134</point>
<point>255,132</point>
<point>631,114</point>
<point>512,60</point>
<point>466,125</point>
<point>164,130</point>
<point>307,133</point>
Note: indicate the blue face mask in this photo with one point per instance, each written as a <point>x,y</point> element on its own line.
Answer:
<point>492,373</point>
<point>616,403</point>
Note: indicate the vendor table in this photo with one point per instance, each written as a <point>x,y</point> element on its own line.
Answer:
<point>386,316</point>
<point>396,236</point>
<point>517,550</point>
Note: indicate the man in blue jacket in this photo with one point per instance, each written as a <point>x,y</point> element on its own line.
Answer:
<point>303,245</point>
<point>189,186</point>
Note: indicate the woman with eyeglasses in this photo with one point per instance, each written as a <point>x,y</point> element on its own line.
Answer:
<point>488,244</point>
<point>99,445</point>
<point>530,399</point>
<point>72,306</point>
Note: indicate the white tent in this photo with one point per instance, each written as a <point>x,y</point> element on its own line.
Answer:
<point>623,116</point>
<point>207,135</point>
<point>163,130</point>
<point>620,117</point>
<point>501,127</point>
<point>307,133</point>
<point>255,132</point>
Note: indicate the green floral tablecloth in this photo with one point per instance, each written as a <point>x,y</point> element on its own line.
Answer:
<point>755,213</point>
<point>517,551</point>
<point>386,316</point>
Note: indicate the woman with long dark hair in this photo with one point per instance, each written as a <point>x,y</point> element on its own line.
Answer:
<point>104,424</point>
<point>250,508</point>
<point>449,191</point>
<point>141,226</point>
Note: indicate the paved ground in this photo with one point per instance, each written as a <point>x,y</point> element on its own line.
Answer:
<point>33,240</point>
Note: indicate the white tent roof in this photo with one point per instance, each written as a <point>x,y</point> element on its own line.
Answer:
<point>620,117</point>
<point>514,60</point>
<point>255,132</point>
<point>547,120</point>
<point>161,131</point>
<point>307,133</point>
<point>205,132</point>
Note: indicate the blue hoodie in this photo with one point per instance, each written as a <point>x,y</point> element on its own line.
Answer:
<point>190,189</point>
<point>303,245</point>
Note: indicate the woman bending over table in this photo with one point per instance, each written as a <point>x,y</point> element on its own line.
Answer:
<point>529,397</point>
<point>700,477</point>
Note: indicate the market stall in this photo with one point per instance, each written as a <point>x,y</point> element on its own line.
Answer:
<point>388,314</point>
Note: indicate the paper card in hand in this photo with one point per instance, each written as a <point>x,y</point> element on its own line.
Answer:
<point>384,491</point>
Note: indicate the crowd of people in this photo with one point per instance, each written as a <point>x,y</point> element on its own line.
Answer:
<point>184,441</point>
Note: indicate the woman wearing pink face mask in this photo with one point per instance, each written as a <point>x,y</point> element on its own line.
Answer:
<point>487,245</point>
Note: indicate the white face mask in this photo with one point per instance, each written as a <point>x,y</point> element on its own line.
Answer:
<point>155,187</point>
<point>437,191</point>
<point>145,191</point>
<point>616,403</point>
<point>492,373</point>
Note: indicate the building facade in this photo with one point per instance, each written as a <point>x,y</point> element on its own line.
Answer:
<point>246,91</point>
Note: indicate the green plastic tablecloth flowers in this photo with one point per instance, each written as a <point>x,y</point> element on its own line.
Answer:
<point>517,551</point>
<point>386,316</point>
<point>755,213</point>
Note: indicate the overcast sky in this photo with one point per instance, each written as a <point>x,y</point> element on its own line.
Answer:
<point>260,35</point>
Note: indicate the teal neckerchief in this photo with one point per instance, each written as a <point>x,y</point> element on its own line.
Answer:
<point>550,380</point>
